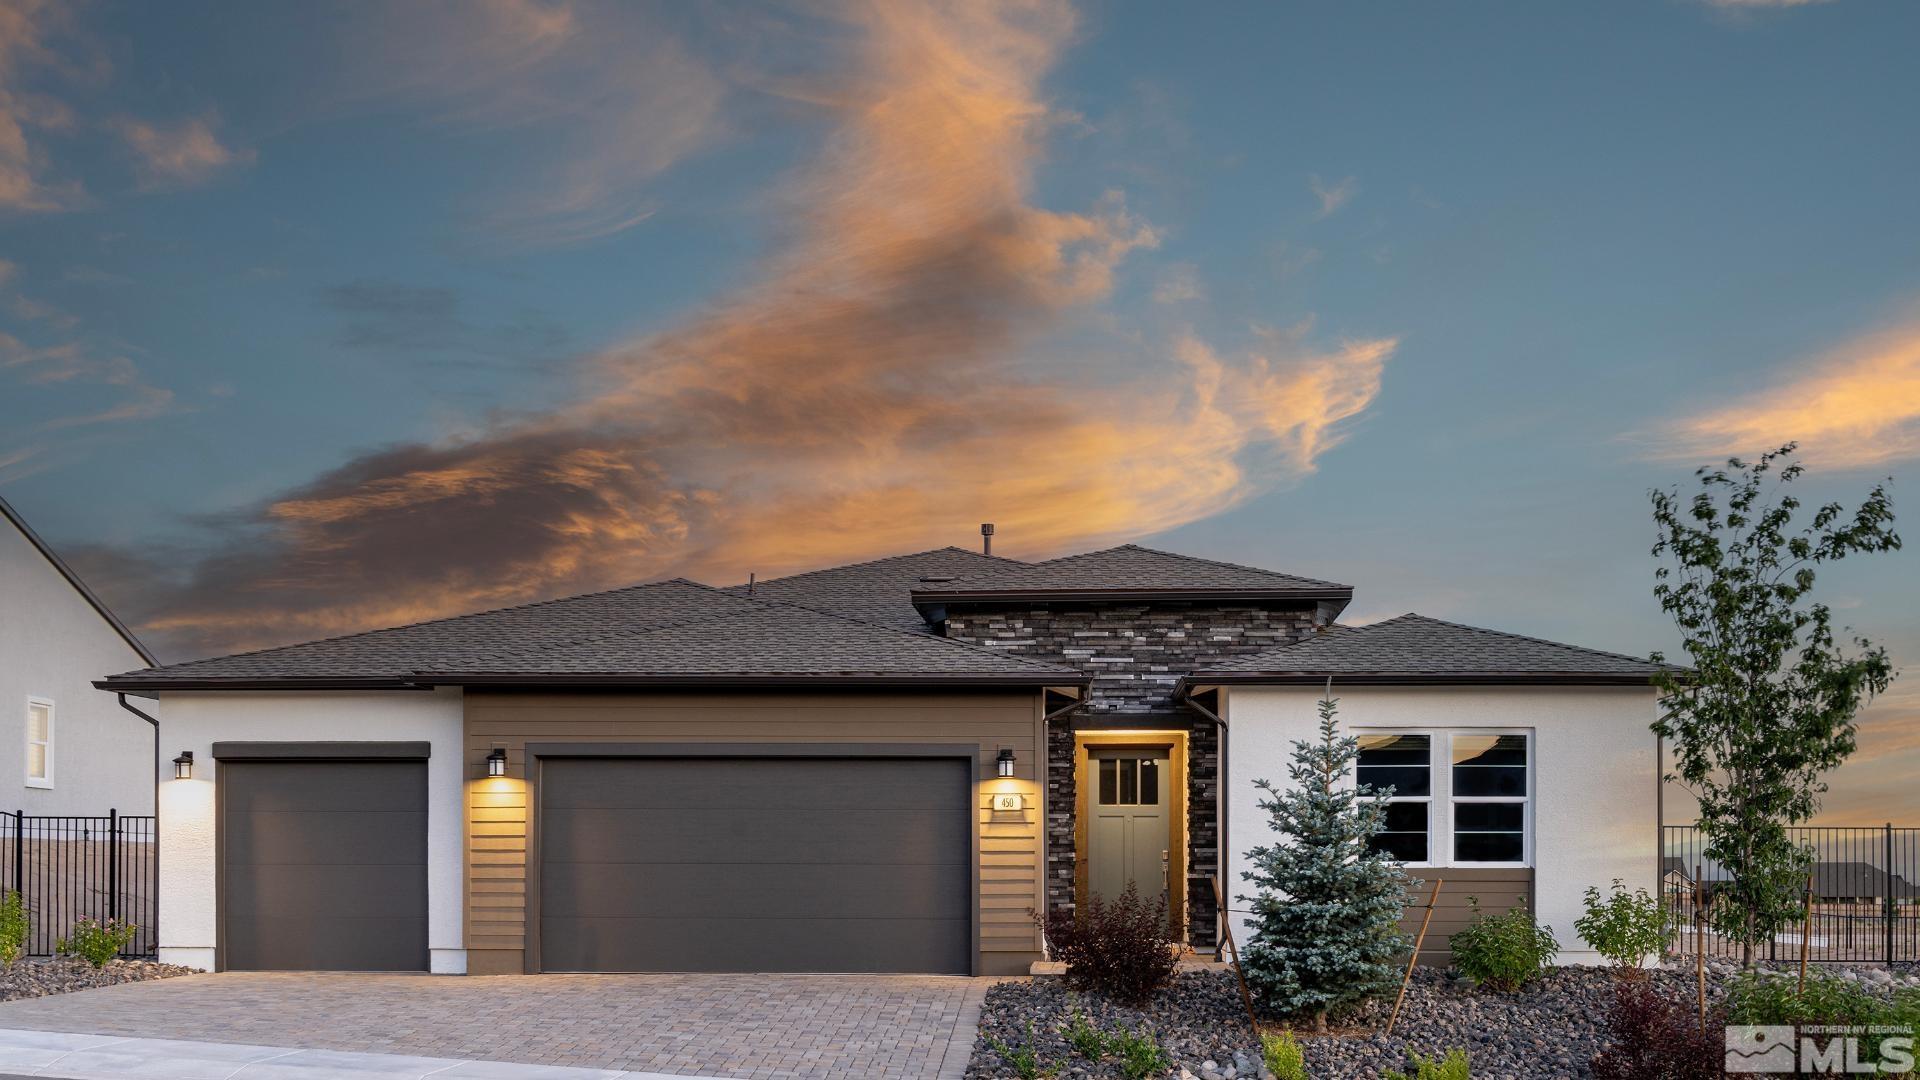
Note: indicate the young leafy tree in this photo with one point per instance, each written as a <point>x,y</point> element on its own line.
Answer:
<point>1769,704</point>
<point>1326,917</point>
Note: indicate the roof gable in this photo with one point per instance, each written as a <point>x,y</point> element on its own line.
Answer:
<point>60,565</point>
<point>1128,571</point>
<point>1414,648</point>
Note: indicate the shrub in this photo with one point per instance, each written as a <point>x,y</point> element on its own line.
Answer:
<point>95,942</point>
<point>1625,927</point>
<point>1140,1055</point>
<point>1658,1038</point>
<point>1503,952</point>
<point>1283,1056</point>
<point>1452,1067</point>
<point>1829,1001</point>
<point>13,927</point>
<point>1121,949</point>
<point>1024,1060</point>
<point>1085,1036</point>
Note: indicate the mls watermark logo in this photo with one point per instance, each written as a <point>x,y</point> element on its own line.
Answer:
<point>1775,1048</point>
<point>1761,1048</point>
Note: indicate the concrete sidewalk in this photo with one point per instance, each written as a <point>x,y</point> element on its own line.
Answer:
<point>115,1057</point>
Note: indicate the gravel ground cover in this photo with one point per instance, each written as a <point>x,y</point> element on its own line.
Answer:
<point>1551,1028</point>
<point>60,975</point>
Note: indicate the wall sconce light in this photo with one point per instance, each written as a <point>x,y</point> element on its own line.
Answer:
<point>1005,762</point>
<point>183,766</point>
<point>497,762</point>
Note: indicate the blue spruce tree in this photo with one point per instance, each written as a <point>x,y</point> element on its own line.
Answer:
<point>1326,918</point>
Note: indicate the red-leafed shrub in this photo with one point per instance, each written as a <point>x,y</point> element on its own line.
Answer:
<point>1658,1038</point>
<point>1122,949</point>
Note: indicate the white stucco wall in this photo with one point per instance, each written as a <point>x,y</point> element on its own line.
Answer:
<point>195,721</point>
<point>53,644</point>
<point>1594,776</point>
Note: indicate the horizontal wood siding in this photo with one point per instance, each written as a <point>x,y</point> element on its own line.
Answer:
<point>1498,890</point>
<point>499,812</point>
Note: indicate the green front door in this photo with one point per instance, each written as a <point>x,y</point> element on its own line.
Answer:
<point>1129,830</point>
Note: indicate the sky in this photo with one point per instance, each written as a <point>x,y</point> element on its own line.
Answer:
<point>325,317</point>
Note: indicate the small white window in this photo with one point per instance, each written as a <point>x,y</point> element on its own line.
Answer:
<point>39,742</point>
<point>1457,798</point>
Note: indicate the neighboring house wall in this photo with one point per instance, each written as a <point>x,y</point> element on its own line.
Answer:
<point>53,644</point>
<point>1592,817</point>
<point>188,856</point>
<point>499,824</point>
<point>1136,654</point>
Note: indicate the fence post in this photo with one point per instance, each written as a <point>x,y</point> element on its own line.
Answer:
<point>1888,901</point>
<point>113,864</point>
<point>20,854</point>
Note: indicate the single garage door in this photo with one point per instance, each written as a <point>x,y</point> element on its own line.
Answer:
<point>755,864</point>
<point>324,865</point>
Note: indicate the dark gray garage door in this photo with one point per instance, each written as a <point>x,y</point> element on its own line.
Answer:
<point>755,864</point>
<point>324,865</point>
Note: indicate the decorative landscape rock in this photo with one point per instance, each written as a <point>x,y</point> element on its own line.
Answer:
<point>62,974</point>
<point>1551,1028</point>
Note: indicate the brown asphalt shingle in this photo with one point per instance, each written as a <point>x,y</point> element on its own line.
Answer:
<point>1128,567</point>
<point>1414,646</point>
<point>878,591</point>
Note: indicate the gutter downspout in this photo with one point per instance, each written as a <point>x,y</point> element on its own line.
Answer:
<point>156,814</point>
<point>1220,814</point>
<point>1046,758</point>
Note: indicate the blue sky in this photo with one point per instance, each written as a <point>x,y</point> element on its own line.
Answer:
<point>319,318</point>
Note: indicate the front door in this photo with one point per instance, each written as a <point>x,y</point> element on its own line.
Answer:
<point>1129,832</point>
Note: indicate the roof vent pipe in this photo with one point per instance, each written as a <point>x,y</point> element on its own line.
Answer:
<point>986,538</point>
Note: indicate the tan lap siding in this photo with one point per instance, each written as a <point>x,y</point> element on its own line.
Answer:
<point>499,815</point>
<point>1497,888</point>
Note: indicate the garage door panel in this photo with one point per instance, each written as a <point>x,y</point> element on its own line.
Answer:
<point>718,944</point>
<point>375,838</point>
<point>323,865</point>
<point>318,786</point>
<point>753,784</point>
<point>755,864</point>
<point>329,943</point>
<point>385,891</point>
<point>730,891</point>
<point>733,834</point>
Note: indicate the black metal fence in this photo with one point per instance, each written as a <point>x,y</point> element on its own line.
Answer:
<point>1864,892</point>
<point>67,867</point>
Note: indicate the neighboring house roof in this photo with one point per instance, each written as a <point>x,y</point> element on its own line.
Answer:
<point>674,631</point>
<point>73,579</point>
<point>1415,649</point>
<point>1859,879</point>
<point>1125,572</point>
<point>877,591</point>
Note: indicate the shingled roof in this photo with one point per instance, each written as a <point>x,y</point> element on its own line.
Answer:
<point>1126,572</point>
<point>674,631</point>
<point>877,591</point>
<point>1415,649</point>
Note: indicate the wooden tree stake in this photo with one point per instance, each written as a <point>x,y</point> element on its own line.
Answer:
<point>1432,899</point>
<point>1226,928</point>
<point>1699,942</point>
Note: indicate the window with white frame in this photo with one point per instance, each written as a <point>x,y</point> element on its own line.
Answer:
<point>1470,807</point>
<point>39,742</point>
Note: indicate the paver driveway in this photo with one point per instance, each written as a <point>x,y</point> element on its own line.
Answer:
<point>892,1027</point>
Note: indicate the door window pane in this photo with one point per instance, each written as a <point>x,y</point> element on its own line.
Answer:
<point>1149,782</point>
<point>1129,781</point>
<point>1109,782</point>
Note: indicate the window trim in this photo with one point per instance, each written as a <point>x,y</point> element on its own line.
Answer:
<point>1440,803</point>
<point>28,741</point>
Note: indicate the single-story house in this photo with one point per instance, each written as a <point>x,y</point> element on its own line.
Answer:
<point>65,750</point>
<point>888,766</point>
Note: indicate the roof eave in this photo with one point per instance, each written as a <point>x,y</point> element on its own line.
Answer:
<point>1014,679</point>
<point>924,600</point>
<point>1413,678</point>
<point>121,684</point>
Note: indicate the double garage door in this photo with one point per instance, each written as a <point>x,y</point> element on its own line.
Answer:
<point>644,864</point>
<point>755,864</point>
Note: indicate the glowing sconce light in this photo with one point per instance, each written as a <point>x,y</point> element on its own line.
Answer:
<point>1005,762</point>
<point>497,762</point>
<point>183,766</point>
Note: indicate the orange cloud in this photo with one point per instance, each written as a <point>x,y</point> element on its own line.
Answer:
<point>1858,405</point>
<point>25,29</point>
<point>877,387</point>
<point>180,156</point>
